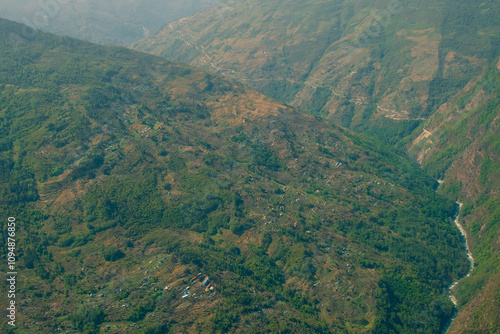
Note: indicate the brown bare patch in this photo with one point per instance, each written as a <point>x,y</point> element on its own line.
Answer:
<point>426,52</point>
<point>137,126</point>
<point>175,192</point>
<point>65,196</point>
<point>129,148</point>
<point>60,177</point>
<point>430,29</point>
<point>423,154</point>
<point>187,148</point>
<point>450,56</point>
<point>197,164</point>
<point>424,135</point>
<point>252,107</point>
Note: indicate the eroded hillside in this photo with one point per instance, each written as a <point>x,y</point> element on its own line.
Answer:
<point>379,67</point>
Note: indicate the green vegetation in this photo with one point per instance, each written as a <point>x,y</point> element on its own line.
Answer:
<point>298,225</point>
<point>422,77</point>
<point>88,319</point>
<point>112,254</point>
<point>466,139</point>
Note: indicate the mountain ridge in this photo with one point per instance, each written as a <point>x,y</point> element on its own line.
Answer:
<point>112,22</point>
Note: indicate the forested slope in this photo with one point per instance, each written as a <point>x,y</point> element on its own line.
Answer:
<point>132,177</point>
<point>460,144</point>
<point>422,76</point>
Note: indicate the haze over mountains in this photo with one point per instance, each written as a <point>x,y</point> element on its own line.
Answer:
<point>155,197</point>
<point>368,65</point>
<point>101,21</point>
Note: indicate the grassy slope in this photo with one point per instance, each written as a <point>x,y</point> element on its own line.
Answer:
<point>128,173</point>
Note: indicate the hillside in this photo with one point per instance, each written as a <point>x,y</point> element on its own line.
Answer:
<point>460,144</point>
<point>133,179</point>
<point>423,76</point>
<point>379,67</point>
<point>119,22</point>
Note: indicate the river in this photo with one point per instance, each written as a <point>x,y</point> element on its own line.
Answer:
<point>469,255</point>
<point>471,261</point>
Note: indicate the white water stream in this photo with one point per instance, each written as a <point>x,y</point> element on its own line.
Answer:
<point>471,261</point>
<point>469,255</point>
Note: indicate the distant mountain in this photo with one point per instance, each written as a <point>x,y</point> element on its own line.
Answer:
<point>118,22</point>
<point>381,67</point>
<point>154,197</point>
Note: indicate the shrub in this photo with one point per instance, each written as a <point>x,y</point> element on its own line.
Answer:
<point>112,254</point>
<point>88,318</point>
